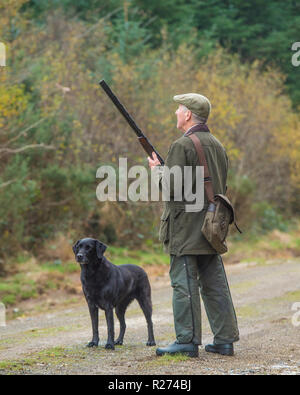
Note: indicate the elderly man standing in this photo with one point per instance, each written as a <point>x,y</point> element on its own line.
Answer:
<point>194,263</point>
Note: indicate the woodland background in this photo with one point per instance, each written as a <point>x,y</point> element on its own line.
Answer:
<point>57,126</point>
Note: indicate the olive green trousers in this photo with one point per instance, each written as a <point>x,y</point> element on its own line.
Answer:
<point>188,273</point>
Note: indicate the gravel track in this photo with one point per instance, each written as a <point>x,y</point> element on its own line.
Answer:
<point>263,294</point>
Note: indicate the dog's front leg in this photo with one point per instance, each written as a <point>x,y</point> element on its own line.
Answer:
<point>95,318</point>
<point>110,329</point>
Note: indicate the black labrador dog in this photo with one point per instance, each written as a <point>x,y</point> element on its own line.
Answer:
<point>107,286</point>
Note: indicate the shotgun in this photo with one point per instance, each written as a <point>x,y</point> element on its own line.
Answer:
<point>145,143</point>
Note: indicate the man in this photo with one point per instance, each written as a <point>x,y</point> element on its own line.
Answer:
<point>194,263</point>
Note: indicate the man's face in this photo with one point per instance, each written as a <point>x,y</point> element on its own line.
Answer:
<point>181,114</point>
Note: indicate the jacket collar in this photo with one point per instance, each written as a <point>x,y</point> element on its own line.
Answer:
<point>199,127</point>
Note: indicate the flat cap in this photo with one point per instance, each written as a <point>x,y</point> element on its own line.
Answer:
<point>198,104</point>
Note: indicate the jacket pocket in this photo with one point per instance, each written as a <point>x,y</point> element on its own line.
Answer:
<point>164,229</point>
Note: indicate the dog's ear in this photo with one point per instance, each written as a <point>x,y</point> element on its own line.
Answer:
<point>75,246</point>
<point>100,248</point>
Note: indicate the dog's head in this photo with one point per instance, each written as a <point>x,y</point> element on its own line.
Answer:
<point>88,250</point>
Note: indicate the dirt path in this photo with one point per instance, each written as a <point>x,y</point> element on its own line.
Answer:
<point>263,294</point>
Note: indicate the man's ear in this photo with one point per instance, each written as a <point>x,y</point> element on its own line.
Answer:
<point>188,115</point>
<point>100,248</point>
<point>75,246</point>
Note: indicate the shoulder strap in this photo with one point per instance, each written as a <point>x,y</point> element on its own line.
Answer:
<point>207,178</point>
<point>202,159</point>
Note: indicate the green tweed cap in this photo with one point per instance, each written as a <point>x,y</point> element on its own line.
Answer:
<point>198,104</point>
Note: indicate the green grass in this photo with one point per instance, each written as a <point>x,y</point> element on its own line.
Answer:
<point>291,296</point>
<point>16,289</point>
<point>257,310</point>
<point>56,274</point>
<point>52,356</point>
<point>40,332</point>
<point>167,360</point>
<point>60,267</point>
<point>262,247</point>
<point>243,286</point>
<point>247,311</point>
<point>122,255</point>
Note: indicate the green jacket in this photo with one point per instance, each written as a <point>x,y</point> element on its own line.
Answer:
<point>180,231</point>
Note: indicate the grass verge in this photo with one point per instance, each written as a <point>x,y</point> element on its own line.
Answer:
<point>30,279</point>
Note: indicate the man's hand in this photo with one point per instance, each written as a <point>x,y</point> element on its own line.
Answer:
<point>153,162</point>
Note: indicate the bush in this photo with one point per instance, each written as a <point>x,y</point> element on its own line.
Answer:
<point>268,218</point>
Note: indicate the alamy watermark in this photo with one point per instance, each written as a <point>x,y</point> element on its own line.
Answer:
<point>175,183</point>
<point>2,55</point>
<point>2,315</point>
<point>296,55</point>
<point>296,316</point>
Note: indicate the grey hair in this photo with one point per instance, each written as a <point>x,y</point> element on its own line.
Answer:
<point>196,118</point>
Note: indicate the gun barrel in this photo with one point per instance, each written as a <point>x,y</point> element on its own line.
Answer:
<point>121,108</point>
<point>142,138</point>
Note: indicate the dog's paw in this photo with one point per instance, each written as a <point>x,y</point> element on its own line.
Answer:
<point>109,346</point>
<point>151,343</point>
<point>92,344</point>
<point>119,343</point>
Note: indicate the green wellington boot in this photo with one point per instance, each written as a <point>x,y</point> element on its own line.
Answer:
<point>189,349</point>
<point>223,349</point>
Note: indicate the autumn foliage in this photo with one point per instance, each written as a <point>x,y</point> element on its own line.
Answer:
<point>57,127</point>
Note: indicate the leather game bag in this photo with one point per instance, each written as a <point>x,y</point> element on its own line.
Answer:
<point>220,212</point>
